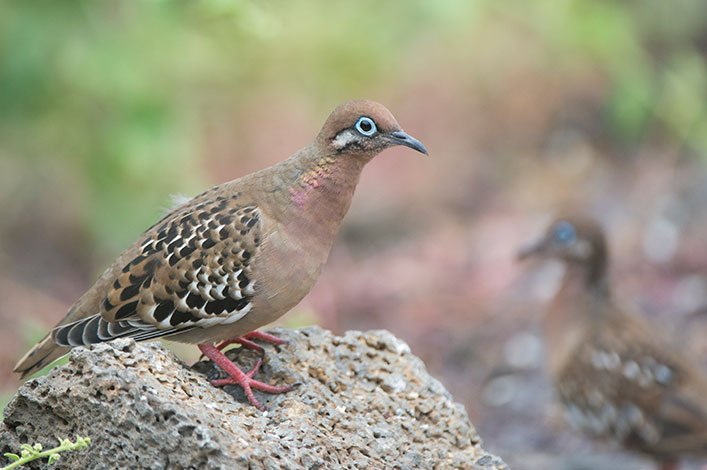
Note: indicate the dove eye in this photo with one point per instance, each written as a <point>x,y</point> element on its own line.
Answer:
<point>564,233</point>
<point>365,126</point>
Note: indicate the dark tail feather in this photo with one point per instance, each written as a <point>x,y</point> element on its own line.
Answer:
<point>43,353</point>
<point>84,332</point>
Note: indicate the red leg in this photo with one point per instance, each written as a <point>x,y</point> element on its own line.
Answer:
<point>238,377</point>
<point>250,374</point>
<point>264,337</point>
<point>243,342</point>
<point>246,343</point>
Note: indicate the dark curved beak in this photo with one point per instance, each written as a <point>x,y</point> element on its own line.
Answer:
<point>403,138</point>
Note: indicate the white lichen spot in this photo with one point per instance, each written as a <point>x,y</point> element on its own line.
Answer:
<point>401,348</point>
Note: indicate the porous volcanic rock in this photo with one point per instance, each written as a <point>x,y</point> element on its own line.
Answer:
<point>364,401</point>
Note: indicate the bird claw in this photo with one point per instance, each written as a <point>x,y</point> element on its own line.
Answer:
<point>237,377</point>
<point>256,367</point>
<point>249,384</point>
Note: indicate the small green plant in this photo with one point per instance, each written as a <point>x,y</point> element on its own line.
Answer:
<point>28,452</point>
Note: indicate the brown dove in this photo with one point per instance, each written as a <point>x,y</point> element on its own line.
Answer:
<point>617,376</point>
<point>234,258</point>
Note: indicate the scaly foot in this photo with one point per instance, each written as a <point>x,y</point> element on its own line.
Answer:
<point>238,377</point>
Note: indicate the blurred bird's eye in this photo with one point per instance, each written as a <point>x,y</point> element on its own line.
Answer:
<point>366,126</point>
<point>565,233</point>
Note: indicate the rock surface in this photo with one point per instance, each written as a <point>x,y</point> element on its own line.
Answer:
<point>364,402</point>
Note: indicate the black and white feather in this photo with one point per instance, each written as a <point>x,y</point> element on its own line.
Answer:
<point>192,270</point>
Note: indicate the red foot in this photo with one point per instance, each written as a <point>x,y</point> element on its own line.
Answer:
<point>249,374</point>
<point>247,341</point>
<point>238,377</point>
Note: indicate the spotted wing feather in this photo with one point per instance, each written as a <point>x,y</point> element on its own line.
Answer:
<point>192,270</point>
<point>625,383</point>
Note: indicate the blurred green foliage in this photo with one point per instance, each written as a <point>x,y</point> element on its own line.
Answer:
<point>105,99</point>
<point>107,95</point>
<point>651,52</point>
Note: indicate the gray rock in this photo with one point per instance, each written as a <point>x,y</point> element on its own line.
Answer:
<point>364,402</point>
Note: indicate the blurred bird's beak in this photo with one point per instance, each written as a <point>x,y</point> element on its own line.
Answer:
<point>403,138</point>
<point>531,250</point>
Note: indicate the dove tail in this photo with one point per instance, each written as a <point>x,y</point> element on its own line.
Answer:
<point>43,353</point>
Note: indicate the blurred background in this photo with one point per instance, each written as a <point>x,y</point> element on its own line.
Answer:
<point>107,108</point>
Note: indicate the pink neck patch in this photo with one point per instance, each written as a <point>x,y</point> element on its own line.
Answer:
<point>308,183</point>
<point>299,196</point>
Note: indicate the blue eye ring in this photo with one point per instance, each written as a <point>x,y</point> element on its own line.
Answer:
<point>565,233</point>
<point>366,126</point>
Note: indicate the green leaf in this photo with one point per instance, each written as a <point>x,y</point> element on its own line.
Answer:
<point>34,452</point>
